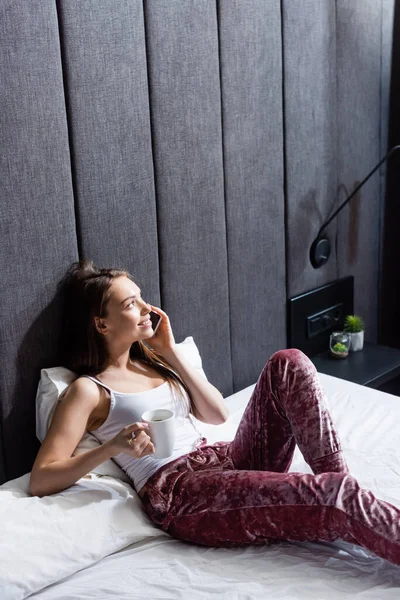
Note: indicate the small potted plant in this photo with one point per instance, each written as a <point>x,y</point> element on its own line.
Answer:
<point>339,344</point>
<point>354,326</point>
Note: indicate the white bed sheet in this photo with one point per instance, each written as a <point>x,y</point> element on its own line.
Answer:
<point>161,567</point>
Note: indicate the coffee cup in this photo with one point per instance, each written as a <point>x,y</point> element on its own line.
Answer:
<point>161,423</point>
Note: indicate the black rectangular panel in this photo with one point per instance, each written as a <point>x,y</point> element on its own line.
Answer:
<point>338,296</point>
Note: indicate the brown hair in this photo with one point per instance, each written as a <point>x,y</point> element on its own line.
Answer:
<point>82,349</point>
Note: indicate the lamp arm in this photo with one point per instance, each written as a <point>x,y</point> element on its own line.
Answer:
<point>392,151</point>
<point>320,248</point>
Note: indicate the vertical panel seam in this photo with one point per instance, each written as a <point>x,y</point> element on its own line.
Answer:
<point>218,18</point>
<point>78,229</point>
<point>337,187</point>
<point>284,182</point>
<point>152,145</point>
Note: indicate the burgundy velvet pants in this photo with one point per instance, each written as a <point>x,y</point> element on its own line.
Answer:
<point>240,493</point>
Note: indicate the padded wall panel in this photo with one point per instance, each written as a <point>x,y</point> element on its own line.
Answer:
<point>251,83</point>
<point>182,44</point>
<point>309,49</point>
<point>359,130</point>
<point>389,326</point>
<point>36,215</point>
<point>386,69</point>
<point>104,57</point>
<point>3,477</point>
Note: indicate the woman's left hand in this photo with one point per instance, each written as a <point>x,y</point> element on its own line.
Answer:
<point>163,340</point>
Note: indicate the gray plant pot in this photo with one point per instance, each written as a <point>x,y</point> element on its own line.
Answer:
<point>356,341</point>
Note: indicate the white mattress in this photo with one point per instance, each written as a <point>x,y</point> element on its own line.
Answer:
<point>161,567</point>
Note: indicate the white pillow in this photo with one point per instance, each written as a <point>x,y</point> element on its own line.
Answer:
<point>191,352</point>
<point>53,382</point>
<point>47,539</point>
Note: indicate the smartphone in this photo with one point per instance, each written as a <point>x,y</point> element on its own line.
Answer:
<point>155,320</point>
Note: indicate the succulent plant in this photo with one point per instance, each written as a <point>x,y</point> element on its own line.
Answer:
<point>339,347</point>
<point>353,324</point>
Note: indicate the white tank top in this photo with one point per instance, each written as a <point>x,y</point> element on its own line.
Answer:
<point>128,408</point>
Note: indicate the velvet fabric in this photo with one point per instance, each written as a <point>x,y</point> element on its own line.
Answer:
<point>239,493</point>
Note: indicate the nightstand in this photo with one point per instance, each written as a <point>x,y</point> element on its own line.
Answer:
<point>372,366</point>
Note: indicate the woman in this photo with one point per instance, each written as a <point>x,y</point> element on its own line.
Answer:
<point>225,494</point>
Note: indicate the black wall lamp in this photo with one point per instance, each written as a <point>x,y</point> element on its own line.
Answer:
<point>321,247</point>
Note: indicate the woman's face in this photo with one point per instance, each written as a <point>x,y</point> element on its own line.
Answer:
<point>128,314</point>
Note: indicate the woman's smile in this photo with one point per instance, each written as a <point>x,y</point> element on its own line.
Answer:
<point>146,323</point>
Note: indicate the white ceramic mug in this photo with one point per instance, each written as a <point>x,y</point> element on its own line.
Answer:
<point>161,431</point>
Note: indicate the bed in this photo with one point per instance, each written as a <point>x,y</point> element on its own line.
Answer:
<point>158,566</point>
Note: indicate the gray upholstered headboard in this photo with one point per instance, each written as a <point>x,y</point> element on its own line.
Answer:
<point>194,143</point>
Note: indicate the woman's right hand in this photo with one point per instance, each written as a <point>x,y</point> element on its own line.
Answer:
<point>137,446</point>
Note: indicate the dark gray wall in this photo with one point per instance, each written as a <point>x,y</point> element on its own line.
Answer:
<point>389,306</point>
<point>337,60</point>
<point>200,145</point>
<point>365,34</point>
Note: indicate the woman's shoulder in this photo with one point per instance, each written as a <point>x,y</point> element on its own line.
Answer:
<point>82,386</point>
